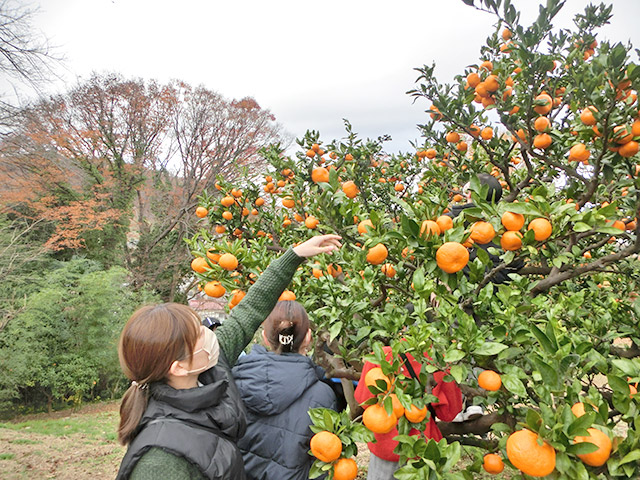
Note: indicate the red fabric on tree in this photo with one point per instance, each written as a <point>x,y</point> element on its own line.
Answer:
<point>449,405</point>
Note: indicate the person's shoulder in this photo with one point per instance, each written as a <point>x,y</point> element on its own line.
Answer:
<point>158,463</point>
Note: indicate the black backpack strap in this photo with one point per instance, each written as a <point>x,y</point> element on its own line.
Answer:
<point>413,374</point>
<point>211,429</point>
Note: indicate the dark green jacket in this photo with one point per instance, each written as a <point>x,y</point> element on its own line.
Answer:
<point>163,454</point>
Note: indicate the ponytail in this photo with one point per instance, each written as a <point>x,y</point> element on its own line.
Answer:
<point>134,403</point>
<point>286,327</point>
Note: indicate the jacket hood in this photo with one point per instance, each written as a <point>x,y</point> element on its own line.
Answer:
<point>269,383</point>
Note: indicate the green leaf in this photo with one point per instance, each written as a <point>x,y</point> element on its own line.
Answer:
<point>542,338</point>
<point>632,456</point>
<point>454,355</point>
<point>489,348</point>
<point>582,447</point>
<point>514,385</point>
<point>581,227</point>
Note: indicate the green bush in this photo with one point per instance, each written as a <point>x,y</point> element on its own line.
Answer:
<point>62,347</point>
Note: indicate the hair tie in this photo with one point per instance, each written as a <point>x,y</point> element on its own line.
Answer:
<point>285,339</point>
<point>139,386</point>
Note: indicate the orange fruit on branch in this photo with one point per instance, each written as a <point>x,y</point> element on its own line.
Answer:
<point>452,257</point>
<point>214,289</point>
<point>237,295</point>
<point>228,261</point>
<point>429,228</point>
<point>527,456</point>
<point>388,270</point>
<point>511,241</point>
<point>326,446</point>
<point>288,202</point>
<point>376,419</point>
<point>287,295</point>
<point>489,380</point>
<point>227,201</point>
<point>629,149</point>
<point>227,215</point>
<point>542,124</point>
<point>482,232</point>
<point>453,137</point>
<point>345,469</point>
<point>350,189</point>
<point>512,221</point>
<point>375,374</point>
<point>445,222</point>
<point>362,226</point>
<point>543,104</point>
<point>541,228</point>
<point>492,463</point>
<point>201,212</point>
<point>398,409</point>
<point>377,254</point>
<point>587,116</point>
<point>334,270</point>
<point>542,141</point>
<point>200,265</point>
<point>415,414</point>
<point>579,152</point>
<point>311,222</point>
<point>320,174</point>
<point>602,441</point>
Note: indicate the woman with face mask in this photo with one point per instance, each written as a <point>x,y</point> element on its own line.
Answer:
<point>182,415</point>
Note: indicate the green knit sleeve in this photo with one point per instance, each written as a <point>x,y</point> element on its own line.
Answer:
<point>157,463</point>
<point>238,329</point>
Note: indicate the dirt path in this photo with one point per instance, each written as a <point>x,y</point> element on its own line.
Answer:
<point>63,445</point>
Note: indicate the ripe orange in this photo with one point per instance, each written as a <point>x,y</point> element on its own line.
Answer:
<point>228,261</point>
<point>345,469</point>
<point>398,409</point>
<point>578,409</point>
<point>398,187</point>
<point>227,215</point>
<point>334,271</point>
<point>542,141</point>
<point>350,189</point>
<point>201,212</point>
<point>492,463</point>
<point>482,232</point>
<point>415,414</point>
<point>259,201</point>
<point>200,265</point>
<point>348,157</point>
<point>220,229</point>
<point>602,441</point>
<point>236,192</point>
<point>445,222</point>
<point>542,124</point>
<point>227,201</point>
<point>452,257</point>
<point>629,149</point>
<point>311,153</point>
<point>487,133</point>
<point>317,273</point>
<point>489,380</point>
<point>376,419</point>
<point>462,147</point>
<point>431,153</point>
<point>214,289</point>
<point>506,34</point>
<point>619,224</point>
<point>579,152</point>
<point>587,116</point>
<point>287,295</point>
<point>374,375</point>
<point>388,270</point>
<point>511,241</point>
<point>622,134</point>
<point>457,198</point>
<point>362,226</point>
<point>429,228</point>
<point>487,65</point>
<point>320,174</point>
<point>473,79</point>
<point>527,456</point>
<point>213,255</point>
<point>377,254</point>
<point>543,104</point>
<point>326,446</point>
<point>453,137</point>
<point>237,295</point>
<point>541,227</point>
<point>288,202</point>
<point>311,222</point>
<point>512,221</point>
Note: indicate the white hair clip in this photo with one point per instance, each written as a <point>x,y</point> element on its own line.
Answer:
<point>140,386</point>
<point>285,339</point>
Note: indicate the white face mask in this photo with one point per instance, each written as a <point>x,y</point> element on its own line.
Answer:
<point>212,347</point>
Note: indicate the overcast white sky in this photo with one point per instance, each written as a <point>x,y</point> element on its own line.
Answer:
<point>310,63</point>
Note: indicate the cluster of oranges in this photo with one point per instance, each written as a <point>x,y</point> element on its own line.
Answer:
<point>327,447</point>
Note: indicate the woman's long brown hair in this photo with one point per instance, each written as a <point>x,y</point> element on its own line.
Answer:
<point>153,338</point>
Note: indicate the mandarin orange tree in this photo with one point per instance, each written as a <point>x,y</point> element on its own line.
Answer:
<point>539,287</point>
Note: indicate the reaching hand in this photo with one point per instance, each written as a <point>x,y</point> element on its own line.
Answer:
<point>318,244</point>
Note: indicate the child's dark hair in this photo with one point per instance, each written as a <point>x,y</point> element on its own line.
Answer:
<point>286,327</point>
